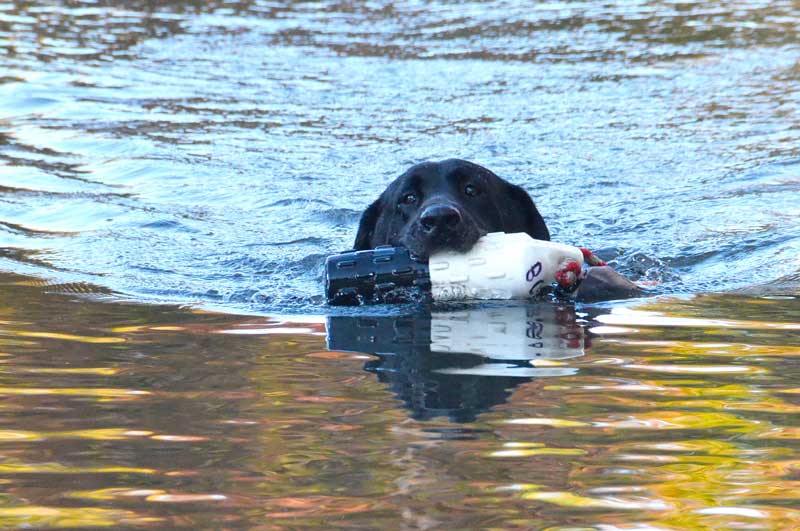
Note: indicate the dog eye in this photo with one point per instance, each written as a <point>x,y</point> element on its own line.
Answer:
<point>409,199</point>
<point>471,190</point>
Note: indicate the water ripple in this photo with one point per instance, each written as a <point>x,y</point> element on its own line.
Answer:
<point>186,154</point>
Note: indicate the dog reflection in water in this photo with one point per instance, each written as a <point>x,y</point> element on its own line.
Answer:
<point>460,363</point>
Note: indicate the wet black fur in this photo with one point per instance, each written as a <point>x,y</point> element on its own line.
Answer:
<point>483,201</point>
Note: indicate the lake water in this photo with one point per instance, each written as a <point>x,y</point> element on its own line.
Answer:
<point>675,415</point>
<point>173,174</point>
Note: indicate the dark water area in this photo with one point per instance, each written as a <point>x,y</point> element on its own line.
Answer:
<point>215,152</point>
<point>676,415</point>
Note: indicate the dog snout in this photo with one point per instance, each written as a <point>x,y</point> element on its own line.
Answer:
<point>439,217</point>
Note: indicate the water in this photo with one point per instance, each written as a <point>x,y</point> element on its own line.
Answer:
<point>209,155</point>
<point>677,415</point>
<point>215,152</point>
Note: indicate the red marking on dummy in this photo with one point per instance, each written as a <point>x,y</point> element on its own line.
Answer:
<point>569,275</point>
<point>590,258</point>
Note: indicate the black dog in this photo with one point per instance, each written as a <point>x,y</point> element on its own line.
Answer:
<point>449,205</point>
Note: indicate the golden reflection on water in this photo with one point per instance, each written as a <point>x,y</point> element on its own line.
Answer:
<point>687,420</point>
<point>708,465</point>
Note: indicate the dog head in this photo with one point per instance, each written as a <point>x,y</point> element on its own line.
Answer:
<point>447,205</point>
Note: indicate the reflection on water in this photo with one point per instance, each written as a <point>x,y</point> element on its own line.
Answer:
<point>458,364</point>
<point>675,415</point>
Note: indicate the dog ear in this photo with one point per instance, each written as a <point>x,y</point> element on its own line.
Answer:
<point>525,216</point>
<point>366,227</point>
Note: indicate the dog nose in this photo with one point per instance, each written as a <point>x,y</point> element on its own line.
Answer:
<point>439,217</point>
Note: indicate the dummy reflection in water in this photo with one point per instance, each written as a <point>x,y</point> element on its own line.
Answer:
<point>460,363</point>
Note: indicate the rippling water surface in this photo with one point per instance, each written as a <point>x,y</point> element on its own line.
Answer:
<point>679,415</point>
<point>216,151</point>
